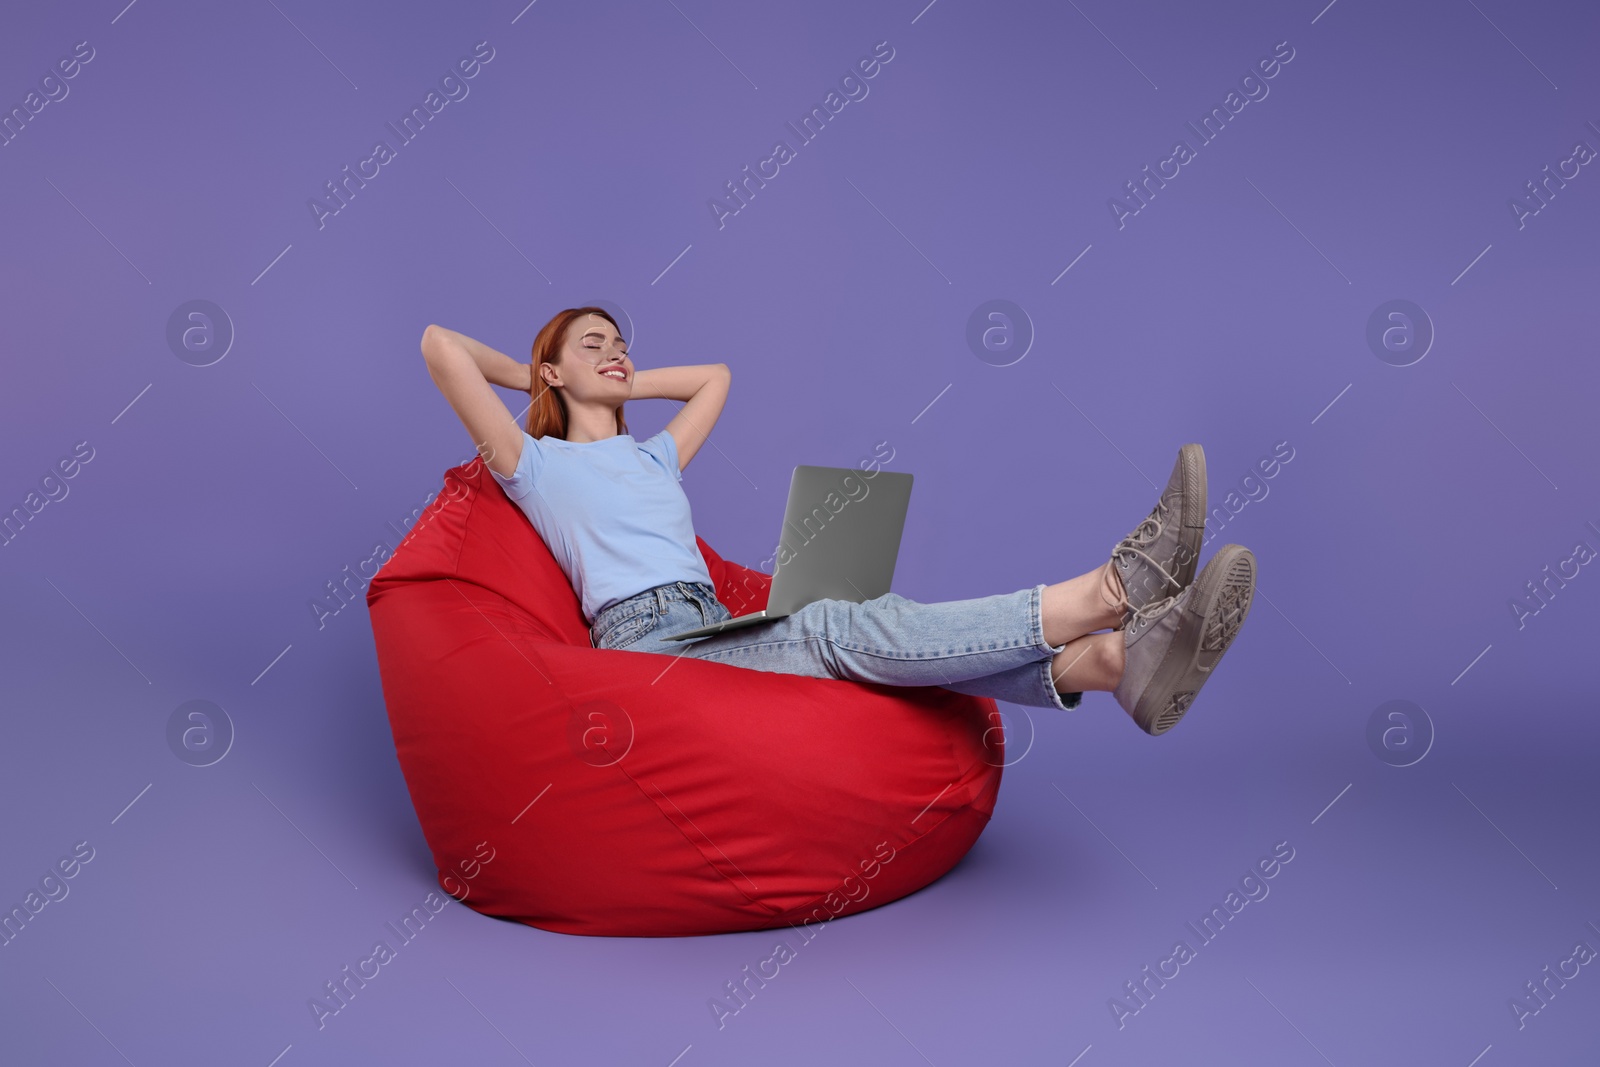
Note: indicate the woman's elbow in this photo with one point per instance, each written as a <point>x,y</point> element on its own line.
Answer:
<point>430,340</point>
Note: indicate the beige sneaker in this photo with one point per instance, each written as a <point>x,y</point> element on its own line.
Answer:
<point>1158,558</point>
<point>1174,644</point>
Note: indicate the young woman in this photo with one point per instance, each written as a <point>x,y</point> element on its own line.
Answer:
<point>1141,626</point>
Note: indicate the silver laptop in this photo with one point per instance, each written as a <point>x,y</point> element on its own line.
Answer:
<point>840,540</point>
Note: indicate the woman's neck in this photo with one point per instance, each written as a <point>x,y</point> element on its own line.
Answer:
<point>591,424</point>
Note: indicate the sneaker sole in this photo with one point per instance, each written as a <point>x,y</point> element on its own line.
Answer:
<point>1216,610</point>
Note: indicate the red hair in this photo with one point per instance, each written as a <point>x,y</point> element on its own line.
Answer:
<point>547,414</point>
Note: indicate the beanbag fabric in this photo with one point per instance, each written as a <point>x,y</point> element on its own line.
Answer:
<point>597,791</point>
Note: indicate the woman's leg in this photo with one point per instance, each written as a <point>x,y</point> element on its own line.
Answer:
<point>1005,645</point>
<point>1037,646</point>
<point>1091,662</point>
<point>1087,661</point>
<point>1082,605</point>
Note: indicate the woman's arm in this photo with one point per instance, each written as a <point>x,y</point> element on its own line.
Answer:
<point>496,367</point>
<point>461,377</point>
<point>704,387</point>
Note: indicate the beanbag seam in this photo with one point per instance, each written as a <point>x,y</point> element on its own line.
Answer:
<point>821,898</point>
<point>770,910</point>
<point>798,917</point>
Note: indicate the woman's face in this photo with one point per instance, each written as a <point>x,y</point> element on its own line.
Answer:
<point>595,363</point>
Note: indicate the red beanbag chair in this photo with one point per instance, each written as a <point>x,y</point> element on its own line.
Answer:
<point>598,791</point>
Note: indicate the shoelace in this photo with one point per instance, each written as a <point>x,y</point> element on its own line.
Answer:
<point>1149,612</point>
<point>1132,547</point>
<point>1153,610</point>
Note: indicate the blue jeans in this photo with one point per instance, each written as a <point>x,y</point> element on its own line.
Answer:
<point>989,646</point>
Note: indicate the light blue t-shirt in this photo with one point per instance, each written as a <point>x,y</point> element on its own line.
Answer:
<point>612,511</point>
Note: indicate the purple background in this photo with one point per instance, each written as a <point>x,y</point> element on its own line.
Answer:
<point>1231,310</point>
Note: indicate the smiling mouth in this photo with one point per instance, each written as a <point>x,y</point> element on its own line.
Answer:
<point>615,372</point>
